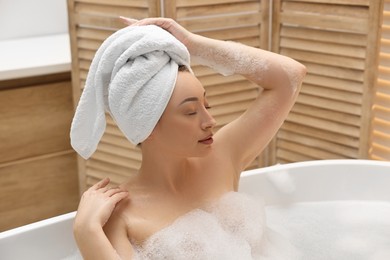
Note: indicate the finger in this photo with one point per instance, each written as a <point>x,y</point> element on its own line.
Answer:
<point>127,20</point>
<point>101,184</point>
<point>112,191</point>
<point>161,22</point>
<point>119,196</point>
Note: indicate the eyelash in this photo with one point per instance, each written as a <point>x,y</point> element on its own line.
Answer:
<point>194,113</point>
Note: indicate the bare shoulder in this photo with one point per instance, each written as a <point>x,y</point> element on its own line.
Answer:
<point>135,214</point>
<point>116,230</point>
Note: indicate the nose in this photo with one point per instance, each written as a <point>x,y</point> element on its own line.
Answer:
<point>208,121</point>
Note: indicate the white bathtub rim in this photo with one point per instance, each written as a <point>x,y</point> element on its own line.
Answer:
<point>332,162</point>
<point>37,225</point>
<point>259,171</point>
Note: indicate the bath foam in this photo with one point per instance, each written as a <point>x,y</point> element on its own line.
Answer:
<point>74,256</point>
<point>358,230</point>
<point>282,181</point>
<point>230,60</point>
<point>233,228</point>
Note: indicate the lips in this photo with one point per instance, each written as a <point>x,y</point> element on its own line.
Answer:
<point>207,140</point>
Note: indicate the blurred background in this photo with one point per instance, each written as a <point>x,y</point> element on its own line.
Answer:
<point>46,48</point>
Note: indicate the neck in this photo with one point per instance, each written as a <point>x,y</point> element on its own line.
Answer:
<point>162,171</point>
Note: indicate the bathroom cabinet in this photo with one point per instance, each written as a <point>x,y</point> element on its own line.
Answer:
<point>38,168</point>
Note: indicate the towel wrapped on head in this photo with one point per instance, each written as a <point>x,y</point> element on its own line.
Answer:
<point>132,77</point>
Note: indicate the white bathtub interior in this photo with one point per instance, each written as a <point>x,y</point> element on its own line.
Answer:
<point>336,209</point>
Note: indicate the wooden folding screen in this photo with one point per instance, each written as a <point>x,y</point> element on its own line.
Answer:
<point>380,138</point>
<point>92,21</point>
<point>337,41</point>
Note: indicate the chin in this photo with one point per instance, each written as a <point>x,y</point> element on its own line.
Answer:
<point>202,152</point>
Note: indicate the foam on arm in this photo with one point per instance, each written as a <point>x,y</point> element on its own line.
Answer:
<point>266,69</point>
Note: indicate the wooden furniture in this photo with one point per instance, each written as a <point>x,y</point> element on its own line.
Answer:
<point>337,40</point>
<point>38,168</point>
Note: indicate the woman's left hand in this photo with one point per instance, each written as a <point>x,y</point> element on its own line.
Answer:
<point>97,204</point>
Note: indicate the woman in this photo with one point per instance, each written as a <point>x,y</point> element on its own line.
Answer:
<point>185,165</point>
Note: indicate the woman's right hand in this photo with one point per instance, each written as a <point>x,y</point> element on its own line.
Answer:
<point>168,24</point>
<point>97,204</point>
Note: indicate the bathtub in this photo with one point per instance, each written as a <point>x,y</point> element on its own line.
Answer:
<point>332,209</point>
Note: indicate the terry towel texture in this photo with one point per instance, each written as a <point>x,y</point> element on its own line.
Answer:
<point>132,77</point>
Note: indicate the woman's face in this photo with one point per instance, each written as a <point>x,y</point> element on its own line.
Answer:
<point>186,126</point>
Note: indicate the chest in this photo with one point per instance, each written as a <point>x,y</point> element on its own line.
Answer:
<point>222,231</point>
<point>147,217</point>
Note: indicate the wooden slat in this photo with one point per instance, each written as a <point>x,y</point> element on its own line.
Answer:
<point>329,146</point>
<point>330,22</point>
<point>88,44</point>
<point>333,105</point>
<point>232,21</point>
<point>325,48</point>
<point>109,167</point>
<point>313,152</point>
<point>322,134</point>
<point>121,3</point>
<point>334,83</point>
<point>193,3</point>
<point>334,59</point>
<point>335,37</point>
<point>228,8</point>
<point>328,114</point>
<point>120,151</point>
<point>115,179</point>
<point>108,22</point>
<point>292,156</point>
<point>338,2</point>
<point>324,124</point>
<point>352,10</point>
<point>93,34</point>
<point>333,94</point>
<point>115,159</point>
<point>381,125</point>
<point>335,72</point>
<point>233,34</point>
<point>103,10</point>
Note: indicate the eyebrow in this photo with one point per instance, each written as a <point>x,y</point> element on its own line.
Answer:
<point>191,99</point>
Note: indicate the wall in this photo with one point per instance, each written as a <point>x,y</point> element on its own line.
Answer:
<point>26,18</point>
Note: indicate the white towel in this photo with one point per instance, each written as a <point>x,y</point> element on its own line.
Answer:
<point>132,76</point>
